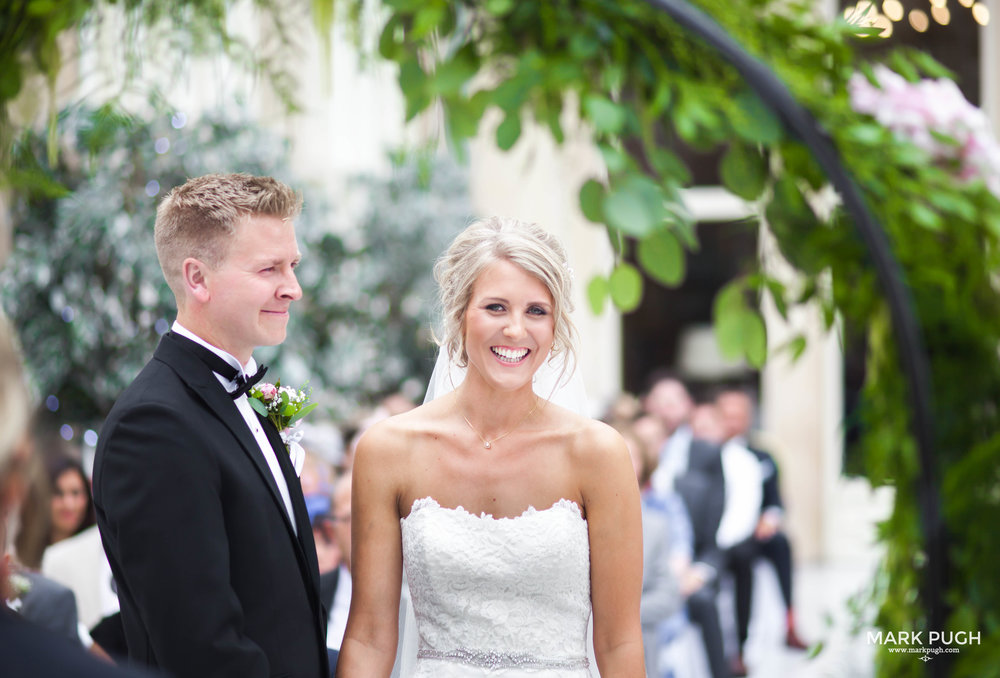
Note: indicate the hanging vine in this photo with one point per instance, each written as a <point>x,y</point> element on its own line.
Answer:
<point>638,84</point>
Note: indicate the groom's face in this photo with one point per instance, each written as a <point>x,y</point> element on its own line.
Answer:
<point>252,289</point>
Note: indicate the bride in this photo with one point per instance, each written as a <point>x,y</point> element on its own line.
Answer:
<point>514,518</point>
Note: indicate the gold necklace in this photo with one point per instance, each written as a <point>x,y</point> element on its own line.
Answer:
<point>488,444</point>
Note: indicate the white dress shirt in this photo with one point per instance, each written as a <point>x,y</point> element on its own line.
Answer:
<point>744,492</point>
<point>249,416</point>
<point>339,608</point>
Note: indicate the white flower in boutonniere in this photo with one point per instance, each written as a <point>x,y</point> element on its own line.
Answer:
<point>19,585</point>
<point>284,407</point>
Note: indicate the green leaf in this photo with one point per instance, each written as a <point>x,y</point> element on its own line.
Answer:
<point>499,7</point>
<point>591,200</point>
<point>614,159</point>
<point>509,130</point>
<point>754,121</point>
<point>462,120</point>
<point>606,115</point>
<point>728,334</point>
<point>669,164</point>
<point>388,45</point>
<point>303,412</point>
<point>597,293</point>
<point>926,217</point>
<point>662,257</point>
<point>428,18</point>
<point>413,82</point>
<point>635,206</point>
<point>450,76</point>
<point>729,300</point>
<point>257,406</point>
<point>754,338</point>
<point>777,291</point>
<point>796,347</point>
<point>743,171</point>
<point>625,286</point>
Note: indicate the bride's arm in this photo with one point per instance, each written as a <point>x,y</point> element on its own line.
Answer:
<point>614,520</point>
<point>369,646</point>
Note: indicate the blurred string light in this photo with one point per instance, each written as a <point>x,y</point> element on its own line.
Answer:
<point>90,437</point>
<point>66,431</point>
<point>866,14</point>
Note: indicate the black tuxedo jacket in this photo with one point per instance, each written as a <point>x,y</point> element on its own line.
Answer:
<point>771,497</point>
<point>702,486</point>
<point>211,578</point>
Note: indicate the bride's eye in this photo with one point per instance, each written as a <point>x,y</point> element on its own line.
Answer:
<point>537,310</point>
<point>495,308</point>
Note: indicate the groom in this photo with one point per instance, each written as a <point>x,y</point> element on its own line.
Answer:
<point>200,510</point>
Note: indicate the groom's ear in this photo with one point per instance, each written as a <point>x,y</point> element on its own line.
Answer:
<point>193,274</point>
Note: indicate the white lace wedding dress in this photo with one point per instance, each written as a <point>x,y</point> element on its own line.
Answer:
<point>503,597</point>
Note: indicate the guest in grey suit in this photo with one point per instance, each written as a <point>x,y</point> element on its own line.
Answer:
<point>48,604</point>
<point>661,595</point>
<point>28,651</point>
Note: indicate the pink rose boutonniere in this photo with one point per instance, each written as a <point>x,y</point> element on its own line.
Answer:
<point>284,407</point>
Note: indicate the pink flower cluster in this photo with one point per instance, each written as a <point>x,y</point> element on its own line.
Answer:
<point>914,110</point>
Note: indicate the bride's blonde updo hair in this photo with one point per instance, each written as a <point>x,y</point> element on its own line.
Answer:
<point>495,239</point>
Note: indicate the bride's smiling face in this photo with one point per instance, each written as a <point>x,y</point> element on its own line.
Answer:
<point>509,325</point>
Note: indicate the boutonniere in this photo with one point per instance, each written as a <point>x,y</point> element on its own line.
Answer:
<point>19,585</point>
<point>284,407</point>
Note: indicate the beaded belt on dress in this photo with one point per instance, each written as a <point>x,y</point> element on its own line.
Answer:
<point>493,659</point>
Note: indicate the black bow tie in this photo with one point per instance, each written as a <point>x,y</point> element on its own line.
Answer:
<point>223,368</point>
<point>245,383</point>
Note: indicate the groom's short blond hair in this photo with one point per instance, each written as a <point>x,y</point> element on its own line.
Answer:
<point>199,218</point>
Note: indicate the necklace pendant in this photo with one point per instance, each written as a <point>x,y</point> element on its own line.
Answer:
<point>487,444</point>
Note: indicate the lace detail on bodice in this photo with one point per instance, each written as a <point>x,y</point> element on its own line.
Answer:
<point>507,587</point>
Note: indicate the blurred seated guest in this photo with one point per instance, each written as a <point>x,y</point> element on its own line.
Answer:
<point>702,487</point>
<point>742,476</point>
<point>336,585</point>
<point>736,410</point>
<point>669,401</point>
<point>44,602</point>
<point>622,411</point>
<point>58,513</point>
<point>80,564</point>
<point>743,495</point>
<point>661,595</point>
<point>28,650</point>
<point>326,441</point>
<point>653,434</point>
<point>59,505</point>
<point>317,483</point>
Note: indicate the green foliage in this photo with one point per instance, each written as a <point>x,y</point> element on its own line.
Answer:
<point>32,32</point>
<point>637,80</point>
<point>85,290</point>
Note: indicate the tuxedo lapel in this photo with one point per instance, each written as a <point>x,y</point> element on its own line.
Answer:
<point>200,378</point>
<point>306,544</point>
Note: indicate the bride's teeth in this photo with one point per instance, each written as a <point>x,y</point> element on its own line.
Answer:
<point>509,355</point>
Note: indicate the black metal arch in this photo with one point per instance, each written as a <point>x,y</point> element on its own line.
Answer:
<point>912,352</point>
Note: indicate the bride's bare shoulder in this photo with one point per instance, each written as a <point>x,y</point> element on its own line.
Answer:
<point>592,441</point>
<point>401,432</point>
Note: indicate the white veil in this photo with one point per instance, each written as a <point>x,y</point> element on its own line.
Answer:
<point>553,383</point>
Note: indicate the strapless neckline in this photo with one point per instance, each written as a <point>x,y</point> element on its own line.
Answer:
<point>430,503</point>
